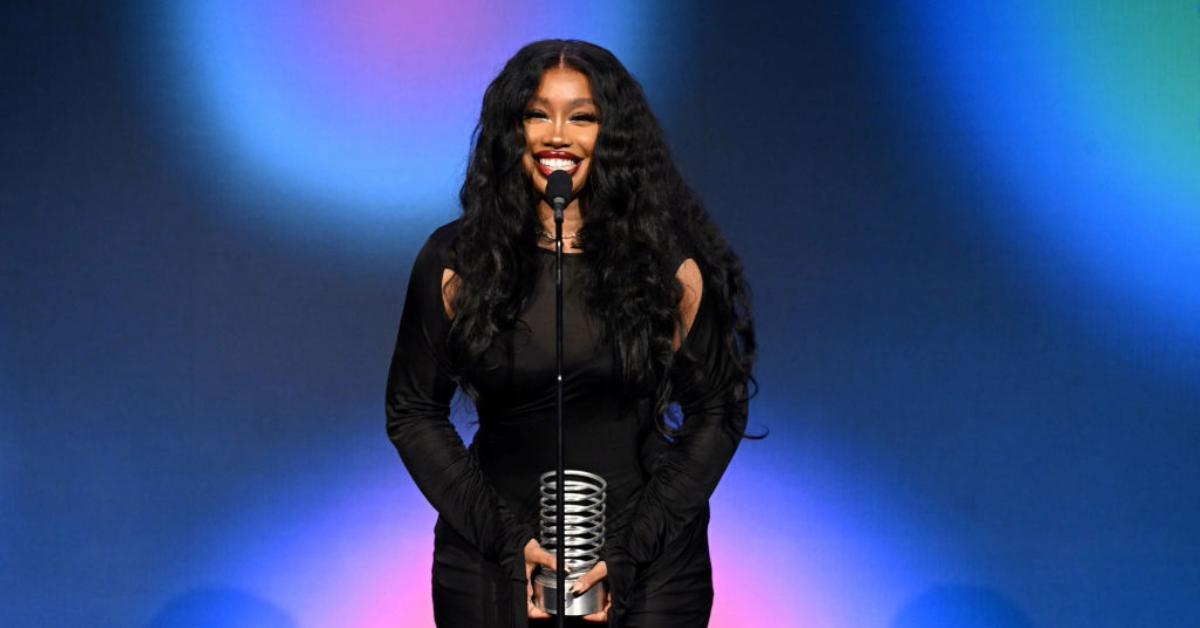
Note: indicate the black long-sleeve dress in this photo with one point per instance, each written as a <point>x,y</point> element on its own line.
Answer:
<point>656,545</point>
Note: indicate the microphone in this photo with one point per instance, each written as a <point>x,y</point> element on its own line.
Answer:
<point>558,191</point>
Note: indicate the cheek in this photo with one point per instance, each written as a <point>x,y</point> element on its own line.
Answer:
<point>585,173</point>
<point>590,151</point>
<point>531,170</point>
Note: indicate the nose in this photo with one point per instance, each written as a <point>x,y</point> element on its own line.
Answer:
<point>557,136</point>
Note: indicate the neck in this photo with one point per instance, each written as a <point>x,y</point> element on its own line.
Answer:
<point>572,221</point>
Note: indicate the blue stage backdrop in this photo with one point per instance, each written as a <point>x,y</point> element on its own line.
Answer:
<point>972,229</point>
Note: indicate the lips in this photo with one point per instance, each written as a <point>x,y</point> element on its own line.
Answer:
<point>550,160</point>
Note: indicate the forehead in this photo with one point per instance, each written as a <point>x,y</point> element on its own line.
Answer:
<point>564,86</point>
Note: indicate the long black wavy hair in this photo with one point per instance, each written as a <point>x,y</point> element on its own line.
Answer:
<point>637,211</point>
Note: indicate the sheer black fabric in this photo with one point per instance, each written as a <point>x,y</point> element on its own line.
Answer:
<point>486,495</point>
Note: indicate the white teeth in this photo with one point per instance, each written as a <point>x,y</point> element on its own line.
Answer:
<point>557,164</point>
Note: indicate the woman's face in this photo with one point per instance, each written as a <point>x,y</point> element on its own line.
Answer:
<point>561,125</point>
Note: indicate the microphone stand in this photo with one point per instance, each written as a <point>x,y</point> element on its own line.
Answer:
<point>560,517</point>
<point>588,489</point>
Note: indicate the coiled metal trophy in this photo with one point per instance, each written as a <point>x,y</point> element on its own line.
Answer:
<point>582,538</point>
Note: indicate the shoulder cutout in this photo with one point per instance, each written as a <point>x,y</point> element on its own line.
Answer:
<point>693,289</point>
<point>449,289</point>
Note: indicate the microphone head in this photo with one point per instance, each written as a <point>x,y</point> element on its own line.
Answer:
<point>558,188</point>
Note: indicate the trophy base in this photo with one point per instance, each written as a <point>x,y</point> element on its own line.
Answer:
<point>545,596</point>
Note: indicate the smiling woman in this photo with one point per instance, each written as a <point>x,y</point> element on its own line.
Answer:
<point>656,315</point>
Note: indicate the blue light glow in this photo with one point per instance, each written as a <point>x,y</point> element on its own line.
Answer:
<point>347,115</point>
<point>1089,113</point>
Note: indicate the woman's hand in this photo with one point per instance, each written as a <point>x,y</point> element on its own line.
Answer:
<point>585,582</point>
<point>535,556</point>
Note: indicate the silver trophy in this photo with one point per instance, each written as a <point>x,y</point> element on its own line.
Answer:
<point>583,536</point>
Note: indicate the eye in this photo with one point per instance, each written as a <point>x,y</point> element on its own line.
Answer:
<point>534,114</point>
<point>585,117</point>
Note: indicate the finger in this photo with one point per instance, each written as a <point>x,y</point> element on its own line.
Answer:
<point>531,609</point>
<point>594,575</point>
<point>582,584</point>
<point>545,559</point>
<point>603,614</point>
<point>537,555</point>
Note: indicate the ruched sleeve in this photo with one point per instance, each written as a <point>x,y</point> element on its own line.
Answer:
<point>712,394</point>
<point>419,390</point>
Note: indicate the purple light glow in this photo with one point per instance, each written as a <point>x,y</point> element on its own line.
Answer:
<point>785,552</point>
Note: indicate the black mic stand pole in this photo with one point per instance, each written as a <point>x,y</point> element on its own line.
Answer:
<point>560,517</point>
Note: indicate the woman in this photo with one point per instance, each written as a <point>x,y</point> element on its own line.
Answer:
<point>656,318</point>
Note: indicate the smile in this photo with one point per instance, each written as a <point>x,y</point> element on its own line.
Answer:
<point>548,162</point>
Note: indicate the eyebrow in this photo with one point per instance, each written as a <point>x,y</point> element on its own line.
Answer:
<point>574,103</point>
